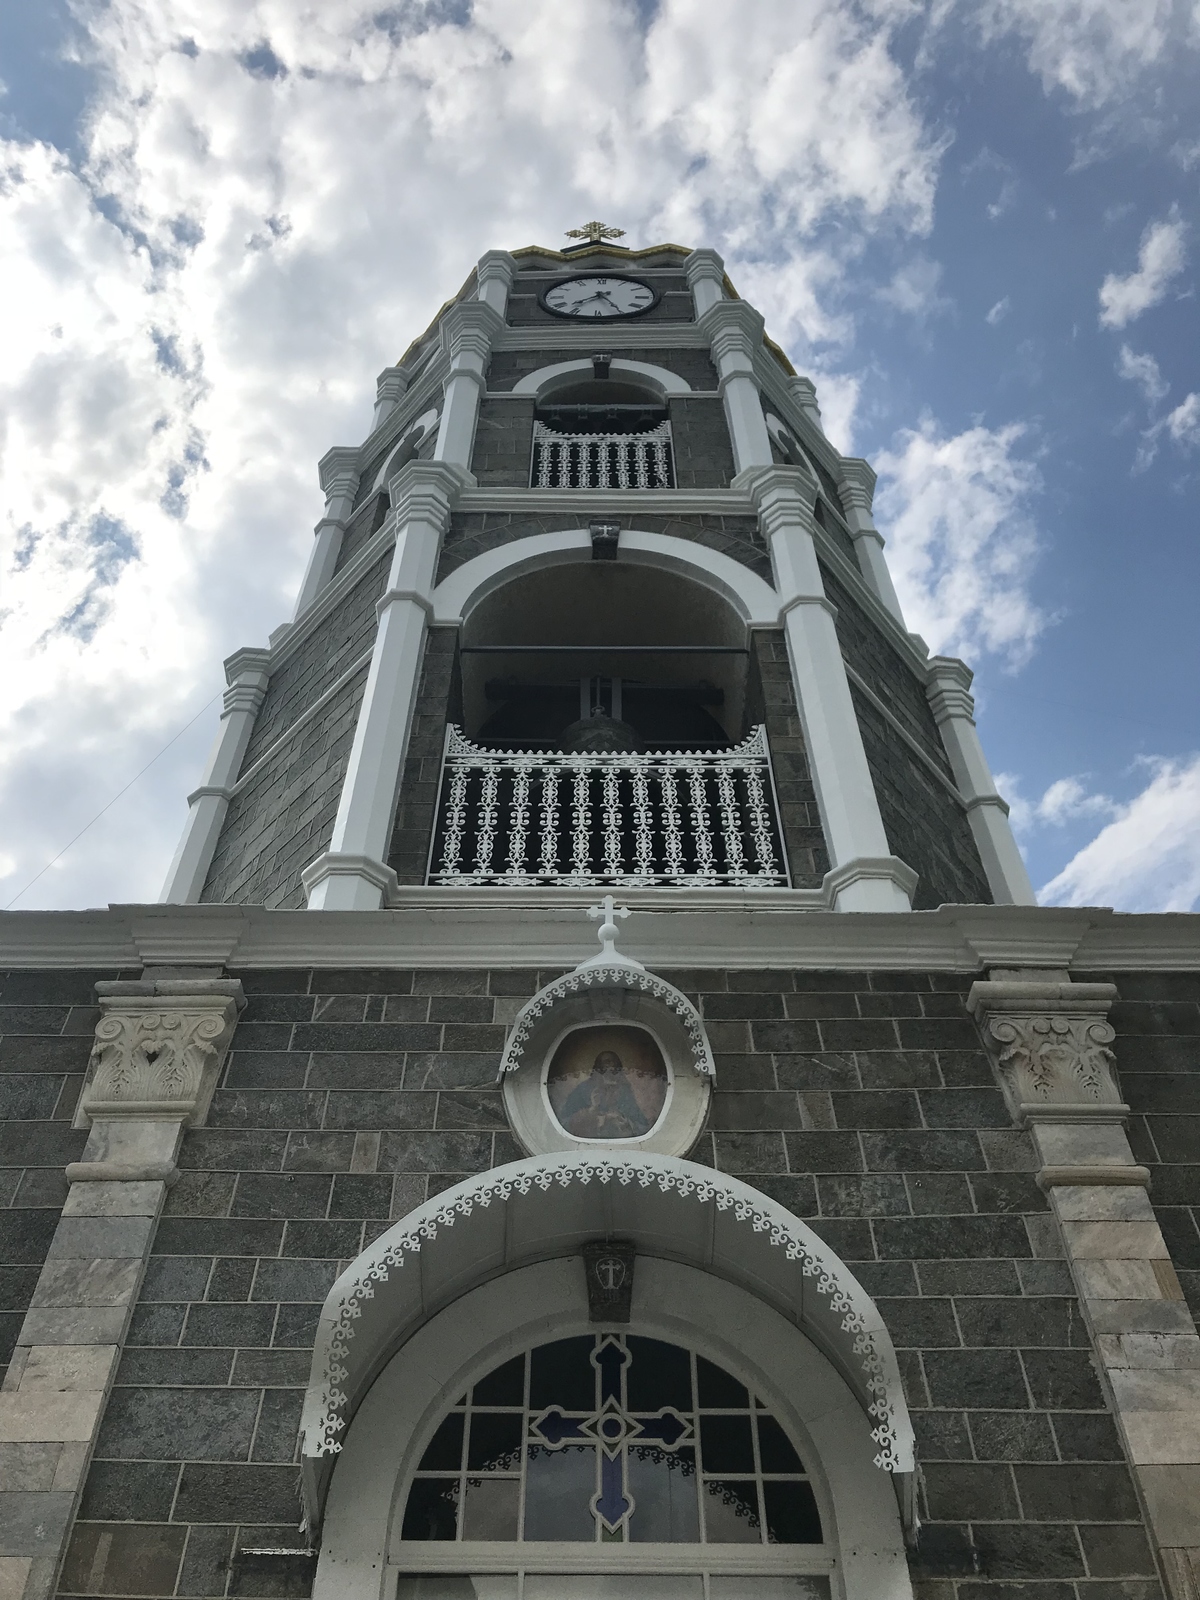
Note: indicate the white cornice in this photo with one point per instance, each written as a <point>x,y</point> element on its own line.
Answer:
<point>596,502</point>
<point>708,928</point>
<point>642,335</point>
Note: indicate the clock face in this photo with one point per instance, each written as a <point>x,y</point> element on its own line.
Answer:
<point>588,298</point>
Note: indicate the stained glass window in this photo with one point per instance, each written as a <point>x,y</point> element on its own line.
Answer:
<point>610,1438</point>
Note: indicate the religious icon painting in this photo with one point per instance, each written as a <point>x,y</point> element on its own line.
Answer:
<point>607,1082</point>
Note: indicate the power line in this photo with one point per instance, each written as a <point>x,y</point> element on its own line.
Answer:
<point>112,802</point>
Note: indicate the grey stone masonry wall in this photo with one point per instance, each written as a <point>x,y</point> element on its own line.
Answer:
<point>474,533</point>
<point>503,443</point>
<point>284,816</point>
<point>925,824</point>
<point>676,304</point>
<point>339,639</point>
<point>47,1020</point>
<point>861,1101</point>
<point>1157,1019</point>
<point>700,442</point>
<point>416,813</point>
<point>365,522</point>
<point>771,698</point>
<point>508,367</point>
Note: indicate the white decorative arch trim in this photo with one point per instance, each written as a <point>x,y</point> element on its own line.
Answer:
<point>546,379</point>
<point>754,600</point>
<point>548,1206</point>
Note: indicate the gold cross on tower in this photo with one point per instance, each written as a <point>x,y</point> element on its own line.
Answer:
<point>595,231</point>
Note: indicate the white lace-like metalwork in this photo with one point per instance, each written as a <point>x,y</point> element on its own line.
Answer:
<point>602,460</point>
<point>608,818</point>
<point>645,1172</point>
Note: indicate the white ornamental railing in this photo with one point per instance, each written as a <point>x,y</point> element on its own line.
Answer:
<point>658,817</point>
<point>602,460</point>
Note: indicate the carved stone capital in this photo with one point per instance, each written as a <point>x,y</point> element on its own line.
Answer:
<point>160,1044</point>
<point>1049,1044</point>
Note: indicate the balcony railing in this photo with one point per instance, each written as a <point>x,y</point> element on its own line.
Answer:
<point>659,817</point>
<point>602,460</point>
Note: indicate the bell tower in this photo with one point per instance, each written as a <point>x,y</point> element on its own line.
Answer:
<point>597,604</point>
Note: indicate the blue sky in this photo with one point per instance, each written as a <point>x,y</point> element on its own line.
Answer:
<point>974,225</point>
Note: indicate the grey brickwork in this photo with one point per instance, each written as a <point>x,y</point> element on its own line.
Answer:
<point>365,522</point>
<point>503,443</point>
<point>771,698</point>
<point>508,367</point>
<point>1157,1019</point>
<point>861,1101</point>
<point>676,304</point>
<point>47,1021</point>
<point>474,533</point>
<point>700,442</point>
<point>337,641</point>
<point>437,703</point>
<point>926,826</point>
<point>283,818</point>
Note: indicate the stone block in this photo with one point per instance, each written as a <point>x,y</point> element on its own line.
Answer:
<point>1116,1552</point>
<point>294,1280</point>
<point>945,1238</point>
<point>122,1559</point>
<point>1077,1492</point>
<point>46,1416</point>
<point>1025,1322</point>
<point>281,1194</point>
<point>1108,1202</point>
<point>156,1324</point>
<point>113,1200</point>
<point>63,1369</point>
<point>271,1368</point>
<point>367,1069</point>
<point>989,1379</point>
<point>1021,1550</point>
<point>74,1325</point>
<point>1082,1144</point>
<point>175,1424</point>
<point>1114,1240</point>
<point>208,1236</point>
<point>1171,1494</point>
<point>920,1324</point>
<point>278,1431</point>
<point>91,1238</point>
<point>33,1523</point>
<point>256,1493</point>
<point>961,1278</point>
<point>28,1466</point>
<point>88,1283</point>
<point>969,1492</point>
<point>875,1194</point>
<point>200,1367</point>
<point>1087,1437</point>
<point>1011,1435</point>
<point>1140,1316</point>
<point>129,1491</point>
<point>1117,1280</point>
<point>944,1150</point>
<point>1062,1380</point>
<point>230,1325</point>
<point>25,1236</point>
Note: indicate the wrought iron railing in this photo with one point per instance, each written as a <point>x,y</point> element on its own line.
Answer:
<point>656,817</point>
<point>602,460</point>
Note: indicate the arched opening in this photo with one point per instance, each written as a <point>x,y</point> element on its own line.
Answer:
<point>601,431</point>
<point>604,642</point>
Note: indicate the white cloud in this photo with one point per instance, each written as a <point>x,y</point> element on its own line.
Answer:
<point>1148,857</point>
<point>1142,370</point>
<point>1160,259</point>
<point>914,288</point>
<point>998,312</point>
<point>961,543</point>
<point>1066,800</point>
<point>1093,49</point>
<point>1183,424</point>
<point>274,201</point>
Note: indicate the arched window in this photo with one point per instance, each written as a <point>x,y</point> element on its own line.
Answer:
<point>611,1439</point>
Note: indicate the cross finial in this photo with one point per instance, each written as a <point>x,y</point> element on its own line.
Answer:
<point>595,231</point>
<point>607,931</point>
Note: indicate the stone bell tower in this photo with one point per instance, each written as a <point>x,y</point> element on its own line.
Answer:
<point>597,602</point>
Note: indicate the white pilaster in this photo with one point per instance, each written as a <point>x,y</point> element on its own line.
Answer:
<point>857,493</point>
<point>706,279</point>
<point>467,333</point>
<point>736,330</point>
<point>338,469</point>
<point>865,875</point>
<point>351,875</point>
<point>247,674</point>
<point>494,277</point>
<point>804,391</point>
<point>953,711</point>
<point>390,387</point>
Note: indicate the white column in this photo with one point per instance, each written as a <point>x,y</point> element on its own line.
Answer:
<point>247,672</point>
<point>865,876</point>
<point>735,330</point>
<point>857,493</point>
<point>467,332</point>
<point>352,874</point>
<point>804,392</point>
<point>706,279</point>
<point>390,387</point>
<point>494,278</point>
<point>953,711</point>
<point>338,469</point>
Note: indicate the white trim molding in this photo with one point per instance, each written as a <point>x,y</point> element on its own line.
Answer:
<point>546,379</point>
<point>551,1205</point>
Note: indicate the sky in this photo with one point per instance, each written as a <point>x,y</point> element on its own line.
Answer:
<point>975,225</point>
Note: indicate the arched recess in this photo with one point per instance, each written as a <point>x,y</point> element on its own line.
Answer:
<point>754,600</point>
<point>546,1208</point>
<point>361,1549</point>
<point>545,380</point>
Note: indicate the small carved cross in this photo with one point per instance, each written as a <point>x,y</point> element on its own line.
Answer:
<point>595,231</point>
<point>607,931</point>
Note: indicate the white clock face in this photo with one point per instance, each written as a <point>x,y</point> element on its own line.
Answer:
<point>599,297</point>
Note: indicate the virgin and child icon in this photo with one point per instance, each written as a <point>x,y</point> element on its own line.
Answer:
<point>607,1082</point>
